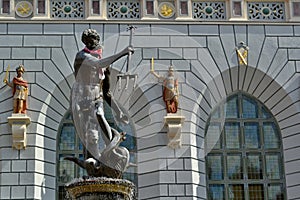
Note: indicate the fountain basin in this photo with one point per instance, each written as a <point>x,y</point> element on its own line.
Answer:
<point>97,188</point>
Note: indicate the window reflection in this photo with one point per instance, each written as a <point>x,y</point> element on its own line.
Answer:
<point>256,191</point>
<point>232,135</point>
<point>216,192</point>
<point>251,133</point>
<point>216,114</point>
<point>254,167</point>
<point>66,169</point>
<point>272,165</point>
<point>236,192</point>
<point>213,138</point>
<point>275,191</point>
<point>215,167</point>
<point>234,167</point>
<point>265,113</point>
<point>249,108</point>
<point>271,139</point>
<point>231,108</point>
<point>68,137</point>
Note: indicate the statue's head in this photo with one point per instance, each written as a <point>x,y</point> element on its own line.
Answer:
<point>90,38</point>
<point>171,70</point>
<point>92,136</point>
<point>20,69</point>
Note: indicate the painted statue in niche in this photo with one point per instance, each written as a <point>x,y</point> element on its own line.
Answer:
<point>170,90</point>
<point>89,93</point>
<point>20,90</point>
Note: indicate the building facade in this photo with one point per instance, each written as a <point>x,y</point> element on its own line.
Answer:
<point>237,63</point>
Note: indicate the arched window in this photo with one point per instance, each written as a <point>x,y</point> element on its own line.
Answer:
<point>69,144</point>
<point>243,147</point>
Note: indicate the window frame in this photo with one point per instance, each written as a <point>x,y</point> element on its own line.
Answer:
<point>260,120</point>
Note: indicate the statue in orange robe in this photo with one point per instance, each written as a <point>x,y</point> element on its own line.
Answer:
<point>20,91</point>
<point>170,91</point>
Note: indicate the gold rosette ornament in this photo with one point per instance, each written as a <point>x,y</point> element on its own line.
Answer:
<point>166,10</point>
<point>24,9</point>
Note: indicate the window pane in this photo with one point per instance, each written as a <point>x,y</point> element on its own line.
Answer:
<point>41,6</point>
<point>216,114</point>
<point>213,137</point>
<point>96,7</point>
<point>249,108</point>
<point>67,137</point>
<point>132,158</point>
<point>5,6</point>
<point>66,169</point>
<point>251,133</point>
<point>275,192</point>
<point>62,192</point>
<point>234,167</point>
<point>81,171</point>
<point>232,135</point>
<point>236,192</point>
<point>215,167</point>
<point>69,116</point>
<point>271,139</point>
<point>216,192</point>
<point>149,7</point>
<point>296,9</point>
<point>256,191</point>
<point>272,165</point>
<point>231,108</point>
<point>237,8</point>
<point>265,113</point>
<point>183,7</point>
<point>254,167</point>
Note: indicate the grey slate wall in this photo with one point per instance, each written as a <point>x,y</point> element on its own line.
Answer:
<point>208,71</point>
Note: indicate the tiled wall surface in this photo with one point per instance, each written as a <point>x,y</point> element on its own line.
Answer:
<point>207,68</point>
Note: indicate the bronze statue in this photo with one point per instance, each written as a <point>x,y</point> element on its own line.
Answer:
<point>89,93</point>
<point>170,91</point>
<point>20,91</point>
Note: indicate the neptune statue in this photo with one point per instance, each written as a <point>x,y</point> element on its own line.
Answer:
<point>89,93</point>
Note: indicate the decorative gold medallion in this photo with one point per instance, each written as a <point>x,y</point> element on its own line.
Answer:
<point>166,10</point>
<point>24,9</point>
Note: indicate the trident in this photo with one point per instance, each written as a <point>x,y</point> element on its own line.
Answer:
<point>126,75</point>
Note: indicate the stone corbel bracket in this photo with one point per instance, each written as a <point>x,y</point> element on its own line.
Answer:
<point>19,123</point>
<point>174,123</point>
